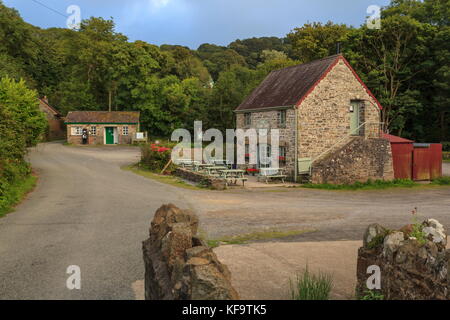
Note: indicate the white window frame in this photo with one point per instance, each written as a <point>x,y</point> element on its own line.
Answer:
<point>125,130</point>
<point>93,131</point>
<point>77,131</point>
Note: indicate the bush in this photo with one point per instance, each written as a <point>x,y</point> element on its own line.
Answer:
<point>311,287</point>
<point>155,159</point>
<point>446,146</point>
<point>446,155</point>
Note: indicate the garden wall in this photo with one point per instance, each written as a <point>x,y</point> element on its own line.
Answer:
<point>196,177</point>
<point>358,161</point>
<point>179,265</point>
<point>413,266</point>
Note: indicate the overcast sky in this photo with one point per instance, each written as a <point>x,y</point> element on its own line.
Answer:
<point>193,22</point>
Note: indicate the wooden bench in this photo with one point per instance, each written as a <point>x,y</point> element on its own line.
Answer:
<point>272,173</point>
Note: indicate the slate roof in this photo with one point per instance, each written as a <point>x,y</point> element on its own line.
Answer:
<point>99,117</point>
<point>286,87</point>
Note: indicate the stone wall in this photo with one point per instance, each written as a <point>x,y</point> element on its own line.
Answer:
<point>410,270</point>
<point>178,264</point>
<point>99,137</point>
<point>269,120</point>
<point>359,160</point>
<point>324,116</point>
<point>197,177</point>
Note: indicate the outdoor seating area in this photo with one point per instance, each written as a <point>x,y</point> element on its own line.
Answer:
<point>224,170</point>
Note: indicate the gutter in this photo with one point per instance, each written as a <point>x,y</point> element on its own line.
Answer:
<point>264,109</point>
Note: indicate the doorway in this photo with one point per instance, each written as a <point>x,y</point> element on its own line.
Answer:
<point>109,135</point>
<point>355,118</point>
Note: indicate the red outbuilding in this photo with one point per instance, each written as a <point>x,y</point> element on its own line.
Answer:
<point>415,161</point>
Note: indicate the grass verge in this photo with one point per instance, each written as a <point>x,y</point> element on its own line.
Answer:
<point>379,185</point>
<point>308,286</point>
<point>255,236</point>
<point>169,180</point>
<point>16,193</point>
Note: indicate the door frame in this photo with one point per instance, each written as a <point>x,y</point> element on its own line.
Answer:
<point>114,135</point>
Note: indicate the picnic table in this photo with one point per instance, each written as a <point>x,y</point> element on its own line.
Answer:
<point>186,163</point>
<point>202,166</point>
<point>215,171</point>
<point>223,163</point>
<point>234,176</point>
<point>272,173</point>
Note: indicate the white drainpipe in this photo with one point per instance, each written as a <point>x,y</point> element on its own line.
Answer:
<point>296,145</point>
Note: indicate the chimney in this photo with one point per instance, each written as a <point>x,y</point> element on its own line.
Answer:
<point>45,99</point>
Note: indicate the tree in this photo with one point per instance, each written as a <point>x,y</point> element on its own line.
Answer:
<point>316,40</point>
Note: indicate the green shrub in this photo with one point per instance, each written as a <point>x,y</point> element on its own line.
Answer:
<point>446,146</point>
<point>446,155</point>
<point>154,160</point>
<point>372,295</point>
<point>308,286</point>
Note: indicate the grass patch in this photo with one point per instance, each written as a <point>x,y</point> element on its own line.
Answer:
<point>372,295</point>
<point>444,181</point>
<point>169,180</point>
<point>308,286</point>
<point>16,192</point>
<point>255,236</point>
<point>369,185</point>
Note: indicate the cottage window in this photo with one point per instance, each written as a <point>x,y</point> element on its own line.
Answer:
<point>125,131</point>
<point>283,154</point>
<point>282,115</point>
<point>77,131</point>
<point>248,119</point>
<point>93,131</point>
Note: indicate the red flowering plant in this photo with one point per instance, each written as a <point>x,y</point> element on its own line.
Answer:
<point>155,157</point>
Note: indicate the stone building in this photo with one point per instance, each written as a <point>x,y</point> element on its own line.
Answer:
<point>321,108</point>
<point>56,128</point>
<point>103,127</point>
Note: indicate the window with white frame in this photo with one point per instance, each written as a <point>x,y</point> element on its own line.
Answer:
<point>77,131</point>
<point>93,130</point>
<point>283,154</point>
<point>124,131</point>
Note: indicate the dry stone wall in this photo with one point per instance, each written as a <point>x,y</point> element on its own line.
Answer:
<point>178,264</point>
<point>359,160</point>
<point>411,268</point>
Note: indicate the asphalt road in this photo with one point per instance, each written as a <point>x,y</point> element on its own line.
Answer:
<point>87,212</point>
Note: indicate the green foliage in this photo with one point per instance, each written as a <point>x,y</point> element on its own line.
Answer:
<point>377,241</point>
<point>12,194</point>
<point>308,286</point>
<point>372,295</point>
<point>446,148</point>
<point>443,181</point>
<point>369,185</point>
<point>21,126</point>
<point>155,161</point>
<point>418,233</point>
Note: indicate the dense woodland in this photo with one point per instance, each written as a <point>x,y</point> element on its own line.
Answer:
<point>406,64</point>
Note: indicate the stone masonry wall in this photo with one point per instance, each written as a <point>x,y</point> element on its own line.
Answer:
<point>196,177</point>
<point>99,137</point>
<point>358,161</point>
<point>410,270</point>
<point>324,116</point>
<point>269,119</point>
<point>179,265</point>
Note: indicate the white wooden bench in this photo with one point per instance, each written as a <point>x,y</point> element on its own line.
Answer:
<point>271,173</point>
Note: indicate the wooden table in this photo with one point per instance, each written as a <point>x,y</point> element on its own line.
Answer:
<point>215,170</point>
<point>234,176</point>
<point>200,166</point>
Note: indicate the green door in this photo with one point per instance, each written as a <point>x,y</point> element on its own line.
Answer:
<point>354,119</point>
<point>109,135</point>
